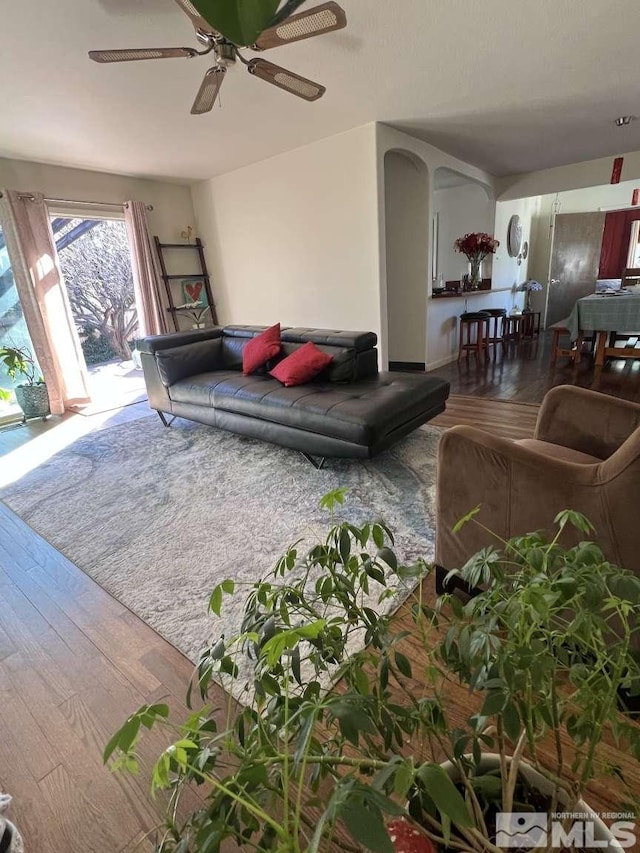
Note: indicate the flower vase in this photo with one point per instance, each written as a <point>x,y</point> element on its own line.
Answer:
<point>475,278</point>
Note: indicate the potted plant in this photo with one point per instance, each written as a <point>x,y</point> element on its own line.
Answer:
<point>32,394</point>
<point>418,740</point>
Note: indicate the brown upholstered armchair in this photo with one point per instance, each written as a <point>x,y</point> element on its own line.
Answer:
<point>585,456</point>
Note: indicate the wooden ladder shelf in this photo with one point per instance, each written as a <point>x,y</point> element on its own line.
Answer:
<point>196,315</point>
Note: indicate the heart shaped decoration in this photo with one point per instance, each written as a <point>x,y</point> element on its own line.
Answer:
<point>194,290</point>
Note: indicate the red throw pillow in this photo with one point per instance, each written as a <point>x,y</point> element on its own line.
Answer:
<point>261,349</point>
<point>301,366</point>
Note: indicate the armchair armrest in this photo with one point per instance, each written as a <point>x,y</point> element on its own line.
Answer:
<point>585,420</point>
<point>518,490</point>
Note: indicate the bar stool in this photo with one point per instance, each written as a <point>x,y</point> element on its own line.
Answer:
<point>497,335</point>
<point>474,326</point>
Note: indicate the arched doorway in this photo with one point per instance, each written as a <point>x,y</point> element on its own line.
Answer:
<point>406,185</point>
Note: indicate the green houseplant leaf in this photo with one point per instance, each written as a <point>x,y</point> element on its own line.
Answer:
<point>240,21</point>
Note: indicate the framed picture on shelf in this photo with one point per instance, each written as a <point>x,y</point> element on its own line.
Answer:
<point>194,293</point>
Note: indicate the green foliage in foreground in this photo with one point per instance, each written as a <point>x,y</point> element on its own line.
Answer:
<point>542,652</point>
<point>242,21</point>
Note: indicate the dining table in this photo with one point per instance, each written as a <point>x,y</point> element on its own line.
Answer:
<point>607,315</point>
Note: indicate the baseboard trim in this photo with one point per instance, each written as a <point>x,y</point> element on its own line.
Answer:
<point>434,365</point>
<point>407,365</point>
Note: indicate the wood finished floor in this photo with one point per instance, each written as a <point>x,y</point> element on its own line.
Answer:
<point>74,663</point>
<point>523,373</point>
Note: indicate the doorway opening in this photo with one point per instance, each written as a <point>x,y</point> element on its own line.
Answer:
<point>95,263</point>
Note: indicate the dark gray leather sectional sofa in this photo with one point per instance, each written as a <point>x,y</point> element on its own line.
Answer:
<point>350,410</point>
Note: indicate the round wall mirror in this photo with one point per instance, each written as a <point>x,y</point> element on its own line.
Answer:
<point>514,236</point>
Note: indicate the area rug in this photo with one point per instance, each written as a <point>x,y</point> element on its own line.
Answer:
<point>159,516</point>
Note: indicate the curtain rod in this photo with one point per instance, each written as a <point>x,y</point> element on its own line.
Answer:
<point>72,202</point>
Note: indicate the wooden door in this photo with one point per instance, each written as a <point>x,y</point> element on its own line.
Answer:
<point>575,259</point>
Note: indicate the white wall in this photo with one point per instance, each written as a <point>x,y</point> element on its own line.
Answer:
<point>461,210</point>
<point>172,205</point>
<point>590,199</point>
<point>590,173</point>
<point>407,219</point>
<point>508,274</point>
<point>294,238</point>
<point>300,238</point>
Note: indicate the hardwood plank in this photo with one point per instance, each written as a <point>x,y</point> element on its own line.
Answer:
<point>507,419</point>
<point>37,821</point>
<point>127,795</point>
<point>7,647</point>
<point>32,648</point>
<point>83,824</point>
<point>142,843</point>
<point>19,723</point>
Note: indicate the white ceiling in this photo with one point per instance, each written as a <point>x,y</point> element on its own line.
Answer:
<point>508,85</point>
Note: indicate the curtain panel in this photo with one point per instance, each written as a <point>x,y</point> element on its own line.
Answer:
<point>43,297</point>
<point>152,318</point>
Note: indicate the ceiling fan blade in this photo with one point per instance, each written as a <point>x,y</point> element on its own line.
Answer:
<point>208,92</point>
<point>286,80</point>
<point>314,22</point>
<point>196,18</point>
<point>141,53</point>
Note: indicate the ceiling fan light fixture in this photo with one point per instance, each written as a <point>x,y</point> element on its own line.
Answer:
<point>623,121</point>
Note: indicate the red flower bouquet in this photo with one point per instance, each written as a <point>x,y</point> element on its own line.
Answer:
<point>476,246</point>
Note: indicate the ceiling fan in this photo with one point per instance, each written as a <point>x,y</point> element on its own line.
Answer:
<point>322,19</point>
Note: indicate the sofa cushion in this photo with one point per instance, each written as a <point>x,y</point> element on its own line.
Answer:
<point>301,366</point>
<point>232,349</point>
<point>176,363</point>
<point>362,412</point>
<point>261,349</point>
<point>359,341</point>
